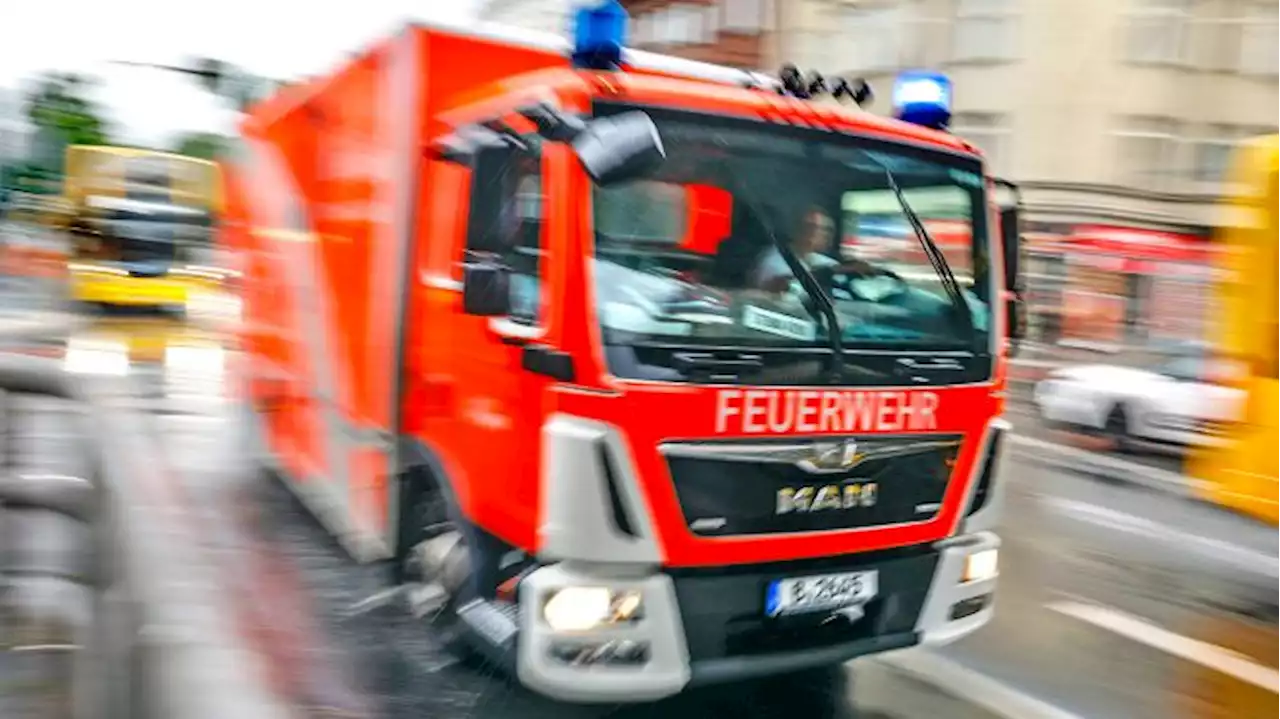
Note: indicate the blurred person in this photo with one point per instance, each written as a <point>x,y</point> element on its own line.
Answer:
<point>813,243</point>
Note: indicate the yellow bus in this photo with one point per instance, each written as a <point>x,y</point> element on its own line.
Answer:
<point>141,224</point>
<point>1241,474</point>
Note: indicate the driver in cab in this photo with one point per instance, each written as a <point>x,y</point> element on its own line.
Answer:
<point>812,243</point>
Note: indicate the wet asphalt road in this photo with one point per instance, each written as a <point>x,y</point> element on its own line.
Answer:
<point>1115,601</point>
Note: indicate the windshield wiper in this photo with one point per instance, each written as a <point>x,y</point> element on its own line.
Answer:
<point>807,281</point>
<point>939,262</point>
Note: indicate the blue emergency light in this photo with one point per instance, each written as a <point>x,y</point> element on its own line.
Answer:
<point>923,98</point>
<point>599,34</point>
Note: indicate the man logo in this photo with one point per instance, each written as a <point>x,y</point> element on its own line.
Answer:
<point>854,495</point>
<point>831,457</point>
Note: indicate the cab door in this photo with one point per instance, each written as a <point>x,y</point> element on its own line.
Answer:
<point>499,401</point>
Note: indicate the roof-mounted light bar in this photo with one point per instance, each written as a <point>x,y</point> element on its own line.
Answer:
<point>922,97</point>
<point>599,39</point>
<point>793,83</point>
<point>599,34</point>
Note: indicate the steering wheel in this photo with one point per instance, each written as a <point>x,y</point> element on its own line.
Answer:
<point>839,277</point>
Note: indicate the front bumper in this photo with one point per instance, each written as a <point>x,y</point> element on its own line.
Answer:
<point>708,626</point>
<point>135,291</point>
<point>114,287</point>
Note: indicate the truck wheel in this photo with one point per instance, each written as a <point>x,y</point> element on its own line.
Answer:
<point>437,570</point>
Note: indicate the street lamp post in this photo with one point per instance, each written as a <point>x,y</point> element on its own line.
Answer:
<point>219,78</point>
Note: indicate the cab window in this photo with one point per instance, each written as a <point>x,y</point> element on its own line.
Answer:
<point>514,226</point>
<point>524,253</point>
<point>874,230</point>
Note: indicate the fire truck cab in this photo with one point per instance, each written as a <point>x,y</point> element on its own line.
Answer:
<point>641,373</point>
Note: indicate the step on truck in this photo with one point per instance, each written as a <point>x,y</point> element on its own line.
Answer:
<point>638,373</point>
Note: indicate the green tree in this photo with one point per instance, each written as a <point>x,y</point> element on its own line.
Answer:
<point>59,104</point>
<point>30,178</point>
<point>204,145</point>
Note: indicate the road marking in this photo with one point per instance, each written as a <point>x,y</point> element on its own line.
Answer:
<point>970,686</point>
<point>1234,554</point>
<point>46,648</point>
<point>1139,630</point>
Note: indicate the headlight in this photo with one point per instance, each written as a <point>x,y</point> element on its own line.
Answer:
<point>579,609</point>
<point>981,565</point>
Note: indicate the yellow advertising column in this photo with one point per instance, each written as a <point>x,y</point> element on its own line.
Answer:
<point>1243,474</point>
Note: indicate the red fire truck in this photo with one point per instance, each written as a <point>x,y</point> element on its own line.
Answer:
<point>580,342</point>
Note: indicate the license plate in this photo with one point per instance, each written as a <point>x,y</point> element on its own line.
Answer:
<point>800,595</point>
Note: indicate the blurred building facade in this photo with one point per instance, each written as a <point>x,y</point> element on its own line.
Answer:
<point>741,33</point>
<point>1105,110</point>
<point>15,130</point>
<point>1116,117</point>
<point>542,15</point>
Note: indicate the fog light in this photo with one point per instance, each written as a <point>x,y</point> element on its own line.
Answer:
<point>980,565</point>
<point>579,609</point>
<point>969,607</point>
<point>618,652</point>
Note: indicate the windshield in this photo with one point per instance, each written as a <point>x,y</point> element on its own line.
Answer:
<point>685,257</point>
<point>147,208</point>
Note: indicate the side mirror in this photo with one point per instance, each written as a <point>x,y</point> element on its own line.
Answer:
<point>1009,202</point>
<point>620,148</point>
<point>552,124</point>
<point>1016,320</point>
<point>486,288</point>
<point>493,176</point>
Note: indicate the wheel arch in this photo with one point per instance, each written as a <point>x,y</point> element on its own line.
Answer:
<point>423,467</point>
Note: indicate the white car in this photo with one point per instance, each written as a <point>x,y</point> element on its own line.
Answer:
<point>1169,403</point>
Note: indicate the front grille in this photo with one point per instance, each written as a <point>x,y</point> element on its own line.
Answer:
<point>724,614</point>
<point>1212,427</point>
<point>728,489</point>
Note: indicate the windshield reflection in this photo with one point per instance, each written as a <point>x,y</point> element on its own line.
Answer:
<point>686,257</point>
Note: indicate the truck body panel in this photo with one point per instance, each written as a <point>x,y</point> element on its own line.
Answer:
<point>336,139</point>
